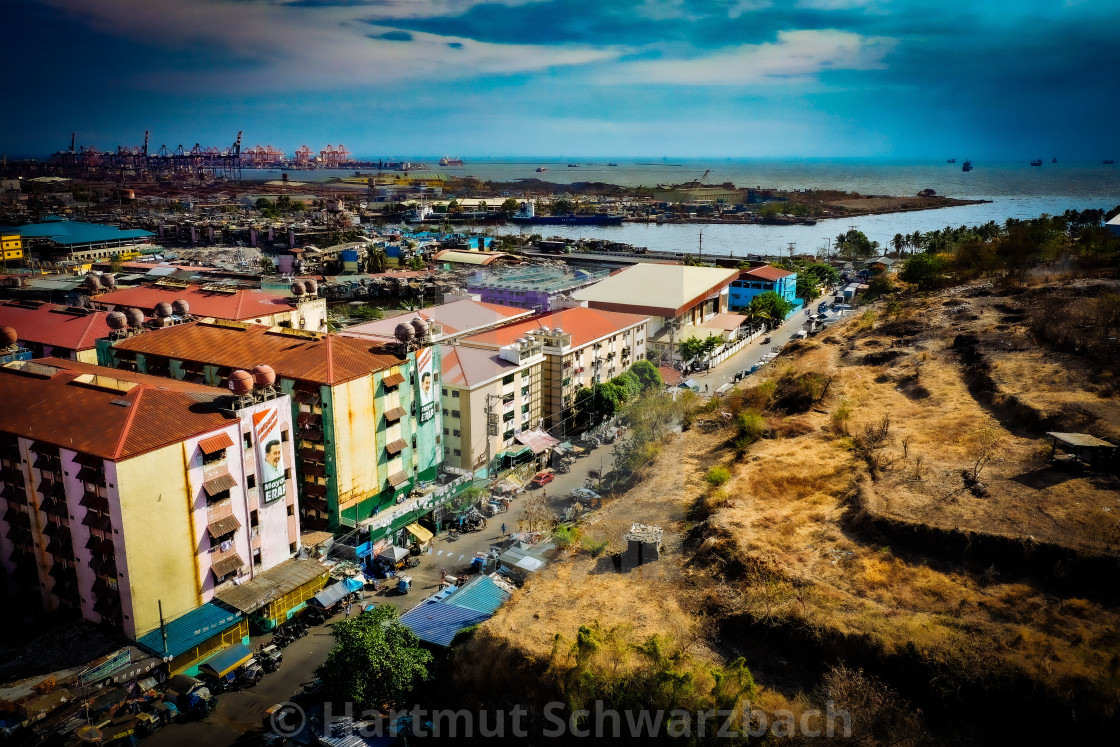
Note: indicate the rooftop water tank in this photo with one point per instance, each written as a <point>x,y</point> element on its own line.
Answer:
<point>134,316</point>
<point>264,376</point>
<point>116,320</point>
<point>311,287</point>
<point>181,307</point>
<point>298,289</point>
<point>420,326</point>
<point>163,309</point>
<point>8,335</point>
<point>240,382</point>
<point>404,332</point>
<point>92,282</point>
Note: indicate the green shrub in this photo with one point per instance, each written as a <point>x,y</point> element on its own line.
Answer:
<point>718,476</point>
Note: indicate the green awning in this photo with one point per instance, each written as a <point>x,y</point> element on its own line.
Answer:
<point>513,453</point>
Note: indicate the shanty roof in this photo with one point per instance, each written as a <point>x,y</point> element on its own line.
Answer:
<point>469,258</point>
<point>457,317</point>
<point>1081,440</point>
<point>437,622</point>
<point>765,272</point>
<point>54,325</point>
<point>656,289</point>
<point>70,232</point>
<point>537,440</point>
<point>469,367</point>
<point>480,594</point>
<point>726,322</point>
<point>320,359</point>
<point>106,412</point>
<point>188,630</point>
<point>241,305</point>
<point>583,324</point>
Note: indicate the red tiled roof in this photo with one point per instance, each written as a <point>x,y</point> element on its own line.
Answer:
<point>215,444</point>
<point>51,324</point>
<point>765,273</point>
<point>583,324</point>
<point>670,375</point>
<point>70,409</point>
<point>323,359</point>
<point>240,306</point>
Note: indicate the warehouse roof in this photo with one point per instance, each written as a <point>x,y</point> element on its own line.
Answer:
<point>303,356</point>
<point>272,584</point>
<point>71,232</point>
<point>457,317</point>
<point>656,289</point>
<point>54,325</point>
<point>103,411</point>
<point>438,622</point>
<point>458,257</point>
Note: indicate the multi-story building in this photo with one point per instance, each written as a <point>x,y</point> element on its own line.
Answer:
<point>305,311</point>
<point>667,294</point>
<point>489,397</point>
<point>759,280</point>
<point>128,497</point>
<point>537,288</point>
<point>368,421</point>
<point>11,245</point>
<point>581,347</point>
<point>48,329</point>
<point>446,322</point>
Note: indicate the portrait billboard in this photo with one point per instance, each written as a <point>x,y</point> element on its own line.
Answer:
<point>427,384</point>
<point>270,449</point>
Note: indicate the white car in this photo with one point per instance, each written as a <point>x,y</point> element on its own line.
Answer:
<point>584,495</point>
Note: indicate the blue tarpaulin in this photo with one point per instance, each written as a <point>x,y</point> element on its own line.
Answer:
<point>330,596</point>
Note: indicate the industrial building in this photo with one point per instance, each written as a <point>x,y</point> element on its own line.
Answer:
<point>367,415</point>
<point>57,241</point>
<point>538,288</point>
<point>489,398</point>
<point>581,346</point>
<point>48,329</point>
<point>667,294</point>
<point>130,498</point>
<point>223,301</point>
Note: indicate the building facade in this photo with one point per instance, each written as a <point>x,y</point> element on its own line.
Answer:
<point>488,398</point>
<point>581,347</point>
<point>11,244</point>
<point>759,280</point>
<point>367,416</point>
<point>148,504</point>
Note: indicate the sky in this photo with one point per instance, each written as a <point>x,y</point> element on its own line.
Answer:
<point>996,79</point>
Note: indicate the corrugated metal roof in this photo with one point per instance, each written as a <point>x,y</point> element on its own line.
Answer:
<point>438,622</point>
<point>227,565</point>
<point>190,629</point>
<point>394,414</point>
<point>455,318</point>
<point>480,594</point>
<point>67,407</point>
<point>583,324</point>
<point>51,324</point>
<point>393,379</point>
<point>248,303</point>
<point>1080,439</point>
<point>223,526</point>
<point>272,584</point>
<point>327,359</point>
<point>767,273</point>
<point>68,232</point>
<point>219,484</point>
<point>467,366</point>
<point>396,447</point>
<point>215,444</point>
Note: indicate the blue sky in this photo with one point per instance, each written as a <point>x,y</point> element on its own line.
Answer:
<point>700,78</point>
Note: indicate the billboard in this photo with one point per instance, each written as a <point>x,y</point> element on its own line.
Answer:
<point>266,429</point>
<point>428,388</point>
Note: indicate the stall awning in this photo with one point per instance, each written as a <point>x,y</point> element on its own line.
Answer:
<point>395,414</point>
<point>537,440</point>
<point>219,484</point>
<point>396,447</point>
<point>214,444</point>
<point>419,532</point>
<point>511,453</point>
<point>329,596</point>
<point>393,553</point>
<point>228,660</point>
<point>223,526</point>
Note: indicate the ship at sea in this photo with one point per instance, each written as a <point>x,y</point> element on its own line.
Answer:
<point>967,166</point>
<point>1108,161</point>
<point>951,160</point>
<point>573,165</point>
<point>449,161</point>
<point>1036,162</point>
<point>527,215</point>
<point>541,170</point>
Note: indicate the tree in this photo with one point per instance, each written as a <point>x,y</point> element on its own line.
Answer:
<point>856,244</point>
<point>536,513</point>
<point>376,661</point>
<point>808,287</point>
<point>510,206</point>
<point>690,349</point>
<point>266,265</point>
<point>898,243</point>
<point>648,375</point>
<point>376,259</point>
<point>771,308</point>
<point>927,271</point>
<point>453,206</point>
<point>562,206</point>
<point>416,262</point>
<point>629,384</point>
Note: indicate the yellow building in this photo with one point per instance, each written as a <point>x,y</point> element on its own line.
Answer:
<point>12,247</point>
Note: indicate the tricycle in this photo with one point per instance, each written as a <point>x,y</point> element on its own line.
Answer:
<point>404,584</point>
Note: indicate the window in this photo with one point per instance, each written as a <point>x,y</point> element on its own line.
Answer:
<point>292,548</point>
<point>253,519</point>
<point>445,431</point>
<point>455,394</point>
<point>287,473</point>
<point>445,412</point>
<point>508,434</point>
<point>247,438</point>
<point>508,379</point>
<point>508,416</point>
<point>284,435</point>
<point>291,510</point>
<point>458,452</point>
<point>524,408</point>
<point>446,450</point>
<point>454,413</point>
<point>443,391</point>
<point>457,434</point>
<point>251,482</point>
<point>524,373</point>
<point>257,556</point>
<point>525,391</point>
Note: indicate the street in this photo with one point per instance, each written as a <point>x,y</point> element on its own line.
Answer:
<point>724,372</point>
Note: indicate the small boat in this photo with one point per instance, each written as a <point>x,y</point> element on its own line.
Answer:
<point>612,164</point>
<point>573,165</point>
<point>951,160</point>
<point>1108,161</point>
<point>1053,160</point>
<point>1036,162</point>
<point>967,166</point>
<point>541,170</point>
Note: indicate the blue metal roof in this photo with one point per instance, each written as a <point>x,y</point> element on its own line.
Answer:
<point>438,622</point>
<point>69,232</point>
<point>187,631</point>
<point>234,656</point>
<point>330,595</point>
<point>480,594</point>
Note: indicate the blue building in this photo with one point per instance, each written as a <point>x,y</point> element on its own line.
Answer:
<point>758,280</point>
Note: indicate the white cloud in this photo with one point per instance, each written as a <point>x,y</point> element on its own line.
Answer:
<point>797,56</point>
<point>284,47</point>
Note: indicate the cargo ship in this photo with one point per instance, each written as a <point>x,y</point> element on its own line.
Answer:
<point>449,161</point>
<point>967,166</point>
<point>527,216</point>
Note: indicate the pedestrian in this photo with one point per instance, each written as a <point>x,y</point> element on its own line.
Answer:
<point>503,529</point>
<point>348,608</point>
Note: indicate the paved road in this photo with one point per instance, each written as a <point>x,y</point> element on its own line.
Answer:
<point>752,353</point>
<point>241,712</point>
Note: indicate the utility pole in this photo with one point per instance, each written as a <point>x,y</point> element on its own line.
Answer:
<point>791,245</point>
<point>700,256</point>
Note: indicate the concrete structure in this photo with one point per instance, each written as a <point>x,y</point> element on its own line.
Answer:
<point>537,288</point>
<point>482,385</point>
<point>731,329</point>
<point>643,545</point>
<point>223,302</point>
<point>48,329</point>
<point>125,492</point>
<point>11,247</point>
<point>368,416</point>
<point>581,346</point>
<point>57,240</point>
<point>447,321</point>
<point>759,280</point>
<point>664,293</point>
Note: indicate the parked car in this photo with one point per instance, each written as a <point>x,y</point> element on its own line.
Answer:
<point>542,478</point>
<point>584,495</point>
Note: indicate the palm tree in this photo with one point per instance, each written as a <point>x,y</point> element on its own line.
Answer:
<point>898,242</point>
